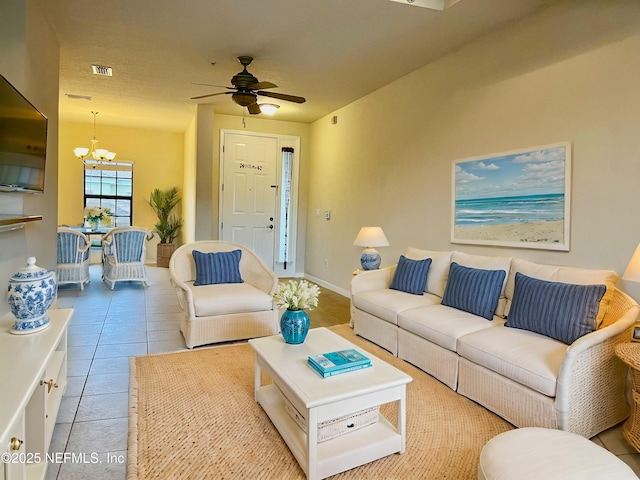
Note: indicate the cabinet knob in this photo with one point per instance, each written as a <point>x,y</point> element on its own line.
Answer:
<point>15,443</point>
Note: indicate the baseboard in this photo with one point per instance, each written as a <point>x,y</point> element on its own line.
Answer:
<point>333,288</point>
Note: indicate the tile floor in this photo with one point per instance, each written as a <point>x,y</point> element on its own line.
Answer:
<point>107,328</point>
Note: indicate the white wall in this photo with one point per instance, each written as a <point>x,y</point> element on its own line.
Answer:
<point>29,59</point>
<point>569,73</point>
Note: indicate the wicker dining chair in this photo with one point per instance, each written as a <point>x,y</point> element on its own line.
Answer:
<point>72,257</point>
<point>123,255</point>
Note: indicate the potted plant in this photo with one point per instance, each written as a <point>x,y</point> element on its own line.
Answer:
<point>295,297</point>
<point>168,227</point>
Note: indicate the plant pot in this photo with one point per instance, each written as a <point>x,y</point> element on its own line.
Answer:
<point>165,250</point>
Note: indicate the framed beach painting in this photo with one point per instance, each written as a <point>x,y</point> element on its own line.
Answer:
<point>519,198</point>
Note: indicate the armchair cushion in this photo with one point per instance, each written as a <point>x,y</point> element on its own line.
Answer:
<point>228,298</point>
<point>214,268</point>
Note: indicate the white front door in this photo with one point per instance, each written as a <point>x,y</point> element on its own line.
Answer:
<point>249,191</point>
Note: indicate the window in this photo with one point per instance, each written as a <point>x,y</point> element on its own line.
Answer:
<point>110,185</point>
<point>285,206</point>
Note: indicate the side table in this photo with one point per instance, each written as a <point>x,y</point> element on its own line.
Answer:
<point>629,353</point>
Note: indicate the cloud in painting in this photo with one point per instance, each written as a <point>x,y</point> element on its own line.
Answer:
<point>463,176</point>
<point>484,166</point>
<point>540,156</point>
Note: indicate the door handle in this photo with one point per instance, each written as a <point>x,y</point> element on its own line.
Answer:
<point>270,227</point>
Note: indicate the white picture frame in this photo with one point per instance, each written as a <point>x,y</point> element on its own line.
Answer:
<point>520,198</point>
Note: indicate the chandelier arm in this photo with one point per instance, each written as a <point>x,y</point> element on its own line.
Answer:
<point>99,154</point>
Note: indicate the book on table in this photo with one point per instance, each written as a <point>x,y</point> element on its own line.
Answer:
<point>337,372</point>
<point>342,361</point>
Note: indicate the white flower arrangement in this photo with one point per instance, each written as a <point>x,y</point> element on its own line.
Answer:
<point>98,214</point>
<point>297,295</point>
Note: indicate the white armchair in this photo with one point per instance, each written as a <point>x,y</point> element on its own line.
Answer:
<point>123,255</point>
<point>72,253</point>
<point>226,311</point>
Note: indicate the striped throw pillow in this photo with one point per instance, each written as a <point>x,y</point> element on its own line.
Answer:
<point>473,290</point>
<point>217,267</point>
<point>411,275</point>
<point>563,311</point>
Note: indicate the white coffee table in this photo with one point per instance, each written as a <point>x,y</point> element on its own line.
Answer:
<point>320,399</point>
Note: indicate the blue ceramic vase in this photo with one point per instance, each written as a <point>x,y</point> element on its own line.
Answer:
<point>294,325</point>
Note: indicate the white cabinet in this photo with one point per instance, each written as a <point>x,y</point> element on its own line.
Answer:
<point>33,376</point>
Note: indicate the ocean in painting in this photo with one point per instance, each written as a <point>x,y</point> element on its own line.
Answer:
<point>503,210</point>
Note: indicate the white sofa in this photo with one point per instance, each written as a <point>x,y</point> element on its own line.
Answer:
<point>225,311</point>
<point>527,378</point>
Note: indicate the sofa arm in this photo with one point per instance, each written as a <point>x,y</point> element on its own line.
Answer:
<point>372,279</point>
<point>185,297</point>
<point>591,384</point>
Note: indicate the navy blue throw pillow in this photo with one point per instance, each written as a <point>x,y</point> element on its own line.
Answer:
<point>217,267</point>
<point>473,290</point>
<point>563,311</point>
<point>411,275</point>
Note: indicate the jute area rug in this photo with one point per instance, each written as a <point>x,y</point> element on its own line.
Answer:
<point>193,416</point>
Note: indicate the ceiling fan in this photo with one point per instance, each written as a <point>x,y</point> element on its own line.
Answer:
<point>246,89</point>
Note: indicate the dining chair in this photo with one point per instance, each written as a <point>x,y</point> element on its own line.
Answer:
<point>72,257</point>
<point>123,255</point>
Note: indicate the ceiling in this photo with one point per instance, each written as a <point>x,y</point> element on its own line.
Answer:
<point>331,52</point>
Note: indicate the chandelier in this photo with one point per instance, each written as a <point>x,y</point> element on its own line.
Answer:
<point>93,153</point>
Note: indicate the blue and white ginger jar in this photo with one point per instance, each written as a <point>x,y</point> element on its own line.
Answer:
<point>31,292</point>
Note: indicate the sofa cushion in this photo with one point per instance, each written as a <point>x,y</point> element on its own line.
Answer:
<point>411,275</point>
<point>385,303</point>
<point>217,267</point>
<point>442,325</point>
<point>487,263</point>
<point>555,273</point>
<point>473,290</point>
<point>438,271</point>
<point>227,298</point>
<point>525,357</point>
<point>563,311</point>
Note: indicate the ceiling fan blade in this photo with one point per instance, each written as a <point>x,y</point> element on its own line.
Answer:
<point>254,109</point>
<point>261,85</point>
<point>211,85</point>
<point>283,96</point>
<point>210,95</point>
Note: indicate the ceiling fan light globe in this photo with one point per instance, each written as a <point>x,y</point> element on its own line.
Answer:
<point>269,108</point>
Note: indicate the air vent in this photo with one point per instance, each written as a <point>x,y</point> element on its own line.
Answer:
<point>73,96</point>
<point>434,4</point>
<point>102,70</point>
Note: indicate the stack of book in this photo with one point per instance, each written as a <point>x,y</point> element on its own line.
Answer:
<point>335,363</point>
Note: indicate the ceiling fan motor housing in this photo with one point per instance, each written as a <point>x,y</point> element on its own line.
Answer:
<point>244,79</point>
<point>244,98</point>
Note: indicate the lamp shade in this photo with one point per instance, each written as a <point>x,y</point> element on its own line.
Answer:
<point>632,271</point>
<point>371,237</point>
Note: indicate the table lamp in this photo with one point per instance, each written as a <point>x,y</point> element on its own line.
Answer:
<point>370,237</point>
<point>632,272</point>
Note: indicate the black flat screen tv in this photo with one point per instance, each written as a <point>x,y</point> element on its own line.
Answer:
<point>23,142</point>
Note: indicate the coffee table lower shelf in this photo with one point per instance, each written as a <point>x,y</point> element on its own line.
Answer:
<point>338,454</point>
